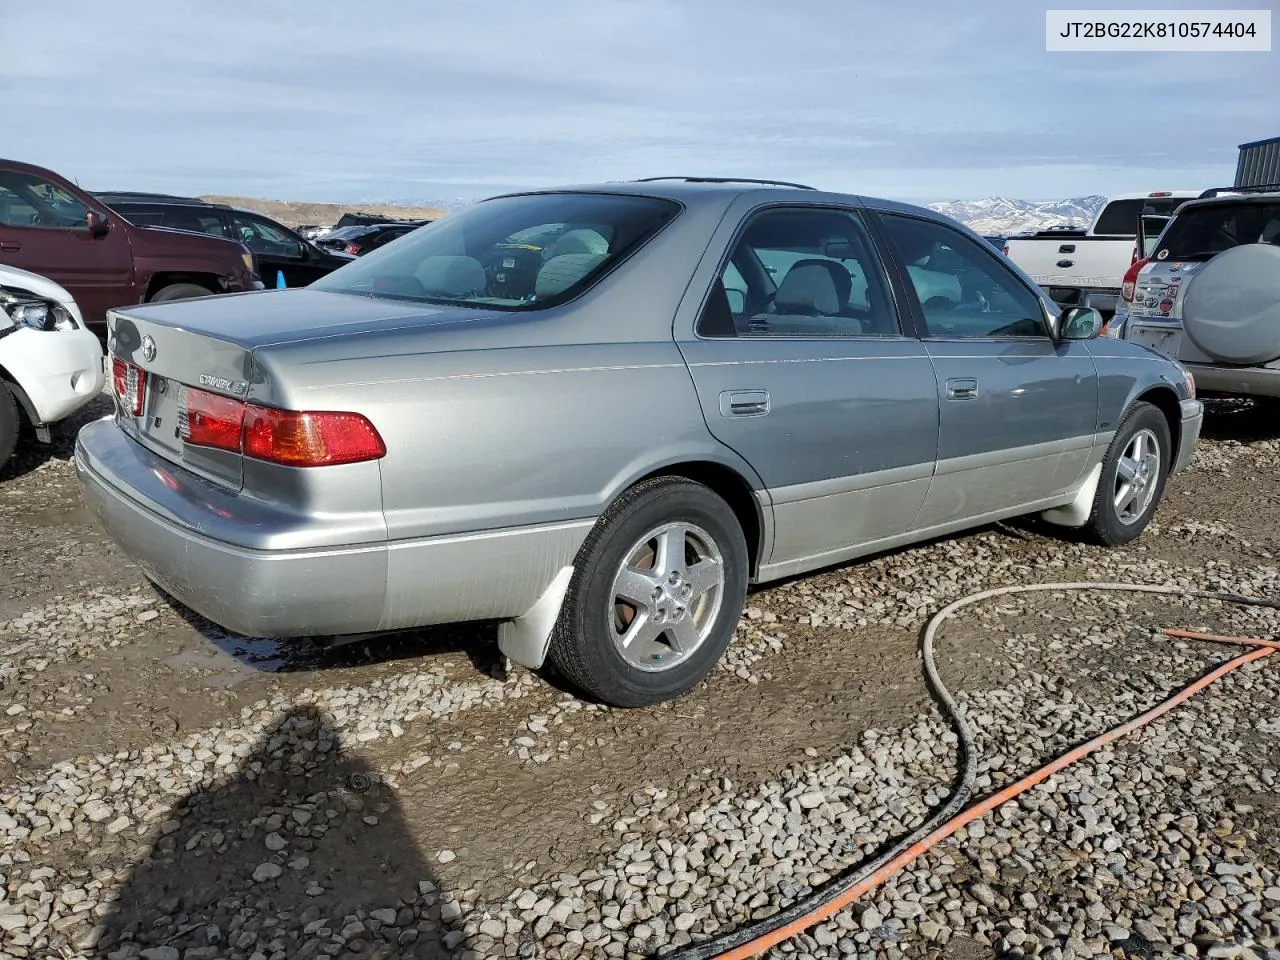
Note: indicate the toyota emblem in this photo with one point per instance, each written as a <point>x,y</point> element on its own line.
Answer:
<point>148,349</point>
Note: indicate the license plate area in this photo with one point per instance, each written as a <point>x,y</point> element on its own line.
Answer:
<point>1164,339</point>
<point>161,423</point>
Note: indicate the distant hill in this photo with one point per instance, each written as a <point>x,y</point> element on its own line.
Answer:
<point>293,213</point>
<point>1001,216</point>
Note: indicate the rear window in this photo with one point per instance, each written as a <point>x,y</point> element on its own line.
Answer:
<point>510,253</point>
<point>1119,218</point>
<point>1204,232</point>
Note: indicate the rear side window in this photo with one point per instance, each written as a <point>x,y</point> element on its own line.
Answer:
<point>510,253</point>
<point>1204,232</point>
<point>801,272</point>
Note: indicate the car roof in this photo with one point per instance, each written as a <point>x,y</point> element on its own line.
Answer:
<point>1228,200</point>
<point>721,191</point>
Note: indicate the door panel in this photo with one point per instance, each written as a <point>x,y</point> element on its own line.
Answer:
<point>1017,411</point>
<point>1025,433</point>
<point>801,367</point>
<point>847,446</point>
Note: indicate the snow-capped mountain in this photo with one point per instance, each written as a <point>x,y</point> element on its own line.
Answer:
<point>1002,216</point>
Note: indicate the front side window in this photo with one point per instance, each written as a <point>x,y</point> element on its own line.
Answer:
<point>266,238</point>
<point>801,273</point>
<point>963,289</point>
<point>31,201</point>
<point>510,253</point>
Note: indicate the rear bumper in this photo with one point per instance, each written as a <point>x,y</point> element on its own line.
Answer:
<point>181,530</point>
<point>1189,435</point>
<point>1250,381</point>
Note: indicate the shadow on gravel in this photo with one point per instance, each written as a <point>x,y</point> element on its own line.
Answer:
<point>478,641</point>
<point>302,853</point>
<point>1243,420</point>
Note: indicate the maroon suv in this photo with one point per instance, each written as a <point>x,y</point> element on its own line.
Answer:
<point>51,227</point>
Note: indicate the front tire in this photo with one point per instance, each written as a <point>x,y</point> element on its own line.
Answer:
<point>1133,476</point>
<point>10,424</point>
<point>181,291</point>
<point>657,590</point>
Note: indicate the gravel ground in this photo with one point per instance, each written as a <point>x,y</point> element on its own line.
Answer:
<point>168,792</point>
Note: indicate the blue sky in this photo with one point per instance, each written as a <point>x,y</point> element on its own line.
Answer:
<point>399,99</point>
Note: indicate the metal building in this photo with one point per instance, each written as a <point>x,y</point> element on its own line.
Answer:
<point>1259,163</point>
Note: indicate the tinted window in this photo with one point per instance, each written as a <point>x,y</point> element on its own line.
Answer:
<point>176,218</point>
<point>962,286</point>
<point>30,201</point>
<point>265,237</point>
<point>801,273</point>
<point>1119,218</point>
<point>510,253</point>
<point>1202,232</point>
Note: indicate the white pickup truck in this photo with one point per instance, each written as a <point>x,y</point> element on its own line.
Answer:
<point>1086,267</point>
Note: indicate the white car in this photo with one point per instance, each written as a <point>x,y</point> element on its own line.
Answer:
<point>50,363</point>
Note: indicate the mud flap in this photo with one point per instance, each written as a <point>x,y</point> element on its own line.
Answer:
<point>526,638</point>
<point>1076,513</point>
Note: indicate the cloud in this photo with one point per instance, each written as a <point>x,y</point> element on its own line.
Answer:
<point>407,98</point>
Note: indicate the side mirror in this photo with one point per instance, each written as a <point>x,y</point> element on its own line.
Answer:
<point>1077,323</point>
<point>99,225</point>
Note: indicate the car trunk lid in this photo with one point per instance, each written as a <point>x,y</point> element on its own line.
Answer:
<point>1155,316</point>
<point>205,352</point>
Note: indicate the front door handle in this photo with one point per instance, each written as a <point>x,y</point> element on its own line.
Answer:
<point>10,247</point>
<point>962,389</point>
<point>744,403</point>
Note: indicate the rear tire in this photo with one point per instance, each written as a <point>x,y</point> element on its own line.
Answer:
<point>180,291</point>
<point>1133,476</point>
<point>657,589</point>
<point>10,424</point>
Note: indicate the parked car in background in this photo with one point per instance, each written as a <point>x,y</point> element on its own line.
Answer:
<point>50,362</point>
<point>1209,294</point>
<point>699,385</point>
<point>279,250</point>
<point>359,240</point>
<point>1086,267</point>
<point>50,227</point>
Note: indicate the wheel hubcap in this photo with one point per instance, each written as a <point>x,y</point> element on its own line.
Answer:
<point>666,596</point>
<point>1137,477</point>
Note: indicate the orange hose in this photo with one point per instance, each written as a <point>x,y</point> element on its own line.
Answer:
<point>1262,649</point>
<point>1219,638</point>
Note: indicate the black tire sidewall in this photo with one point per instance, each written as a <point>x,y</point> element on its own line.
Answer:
<point>161,298</point>
<point>10,424</point>
<point>1105,521</point>
<point>581,649</point>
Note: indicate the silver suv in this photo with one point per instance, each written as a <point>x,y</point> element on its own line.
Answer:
<point>1208,294</point>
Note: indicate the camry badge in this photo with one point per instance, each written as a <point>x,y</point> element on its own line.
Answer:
<point>148,349</point>
<point>223,383</point>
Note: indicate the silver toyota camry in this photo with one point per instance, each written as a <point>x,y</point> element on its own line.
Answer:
<point>596,415</point>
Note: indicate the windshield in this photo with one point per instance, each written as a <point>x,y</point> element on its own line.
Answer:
<point>511,253</point>
<point>1204,232</point>
<point>1119,218</point>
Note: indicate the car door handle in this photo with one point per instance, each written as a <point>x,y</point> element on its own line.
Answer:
<point>10,247</point>
<point>744,403</point>
<point>962,389</point>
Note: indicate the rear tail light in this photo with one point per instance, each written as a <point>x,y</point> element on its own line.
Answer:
<point>1134,259</point>
<point>352,249</point>
<point>130,385</point>
<point>1005,249</point>
<point>1129,285</point>
<point>309,439</point>
<point>291,438</point>
<point>209,420</point>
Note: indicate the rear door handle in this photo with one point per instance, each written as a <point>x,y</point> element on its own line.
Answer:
<point>744,403</point>
<point>10,247</point>
<point>962,389</point>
